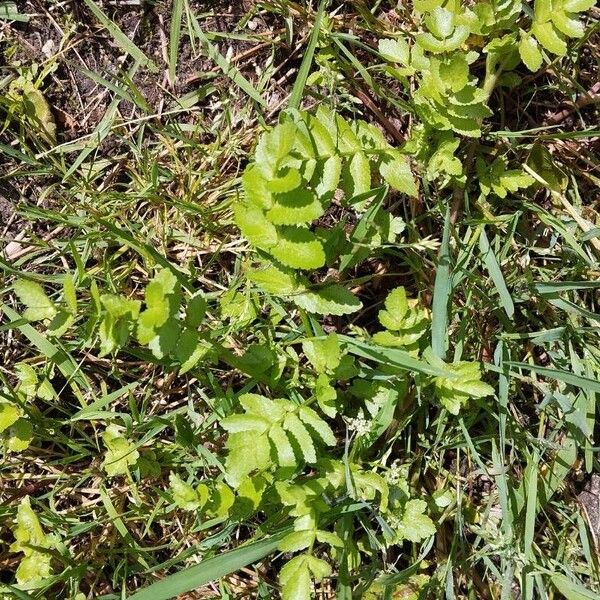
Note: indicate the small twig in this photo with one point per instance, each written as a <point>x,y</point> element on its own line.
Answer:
<point>385,122</point>
<point>590,97</point>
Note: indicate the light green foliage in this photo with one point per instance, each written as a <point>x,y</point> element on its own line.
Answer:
<point>31,540</point>
<point>162,299</point>
<point>462,382</point>
<point>404,319</point>
<point>554,21</point>
<point>67,313</point>
<point>331,299</point>
<point>41,308</point>
<point>447,96</point>
<point>30,384</point>
<point>33,296</point>
<point>120,454</point>
<point>411,523</point>
<point>25,100</point>
<point>117,323</point>
<point>272,432</point>
<point>443,161</point>
<point>9,413</point>
<point>437,72</point>
<point>412,589</point>
<point>498,179</point>
<point>495,16</point>
<point>16,429</point>
<point>291,185</point>
<point>185,496</point>
<point>324,355</point>
<point>446,30</point>
<point>285,390</point>
<point>18,436</point>
<point>295,576</point>
<point>396,50</point>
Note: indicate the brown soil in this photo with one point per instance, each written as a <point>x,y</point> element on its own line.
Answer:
<point>77,101</point>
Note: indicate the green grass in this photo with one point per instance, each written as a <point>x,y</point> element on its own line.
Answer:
<point>150,182</point>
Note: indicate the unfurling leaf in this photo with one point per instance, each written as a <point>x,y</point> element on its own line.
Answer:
<point>31,540</point>
<point>120,452</point>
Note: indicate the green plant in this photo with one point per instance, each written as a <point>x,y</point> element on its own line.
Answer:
<point>298,167</point>
<point>385,387</point>
<point>33,543</point>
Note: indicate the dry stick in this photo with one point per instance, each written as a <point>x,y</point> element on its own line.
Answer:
<point>385,122</point>
<point>584,225</point>
<point>590,97</point>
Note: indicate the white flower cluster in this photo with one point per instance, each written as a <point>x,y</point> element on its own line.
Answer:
<point>359,425</point>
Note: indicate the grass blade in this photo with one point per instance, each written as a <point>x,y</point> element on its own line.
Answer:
<point>122,40</point>
<point>531,477</point>
<point>572,590</point>
<point>303,71</point>
<point>174,37</point>
<point>390,356</point>
<point>441,294</point>
<point>585,383</point>
<point>9,12</point>
<point>209,570</point>
<point>554,287</point>
<point>491,264</point>
<point>226,66</point>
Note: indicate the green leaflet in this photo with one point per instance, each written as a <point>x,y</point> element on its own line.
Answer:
<point>16,431</point>
<point>395,169</point>
<point>406,322</point>
<point>157,325</point>
<point>500,180</point>
<point>357,175</point>
<point>120,452</point>
<point>395,50</point>
<point>274,146</point>
<point>9,413</point>
<point>295,579</point>
<point>272,432</point>
<point>554,21</point>
<point>293,207</point>
<point>324,355</point>
<point>255,227</point>
<point>185,496</point>
<point>28,100</point>
<point>19,435</point>
<point>332,299</point>
<point>119,316</point>
<point>298,169</point>
<point>299,248</point>
<point>275,280</point>
<point>33,296</point>
<point>31,540</point>
<point>295,576</point>
<point>447,31</point>
<point>529,52</point>
<point>411,523</point>
<point>462,382</point>
<point>215,499</point>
